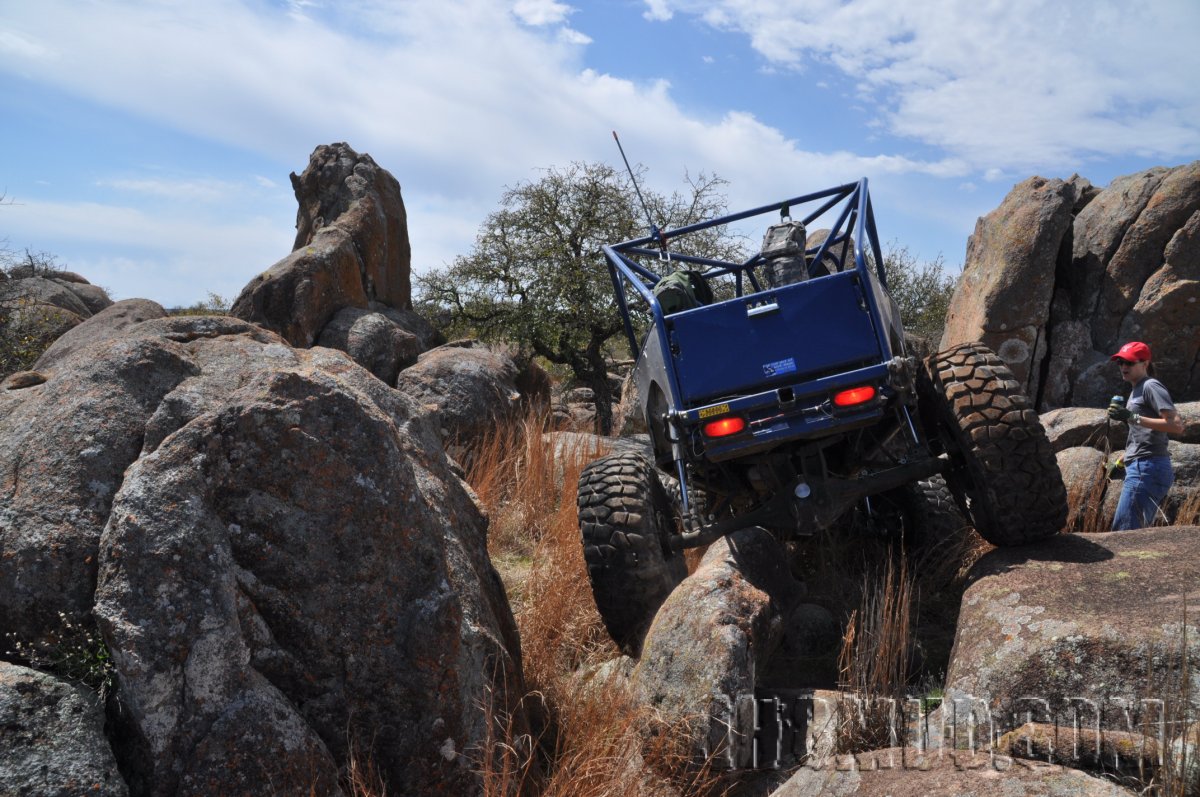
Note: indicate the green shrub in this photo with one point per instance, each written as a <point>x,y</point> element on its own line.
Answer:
<point>215,304</point>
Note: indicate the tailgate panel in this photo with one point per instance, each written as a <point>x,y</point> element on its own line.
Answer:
<point>772,338</point>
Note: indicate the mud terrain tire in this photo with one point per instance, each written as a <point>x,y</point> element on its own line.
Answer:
<point>625,520</point>
<point>935,514</point>
<point>922,515</point>
<point>1006,477</point>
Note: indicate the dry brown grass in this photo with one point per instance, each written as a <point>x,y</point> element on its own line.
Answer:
<point>874,666</point>
<point>561,631</point>
<point>1188,513</point>
<point>528,490</point>
<point>362,778</point>
<point>517,478</point>
<point>592,738</point>
<point>1085,504</point>
<point>1177,730</point>
<point>600,743</point>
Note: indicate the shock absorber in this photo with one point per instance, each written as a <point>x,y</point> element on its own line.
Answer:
<point>680,465</point>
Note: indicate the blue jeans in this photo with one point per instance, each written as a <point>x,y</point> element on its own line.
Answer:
<point>1146,485</point>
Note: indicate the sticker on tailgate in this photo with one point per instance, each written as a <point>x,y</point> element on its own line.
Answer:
<point>708,412</point>
<point>779,367</point>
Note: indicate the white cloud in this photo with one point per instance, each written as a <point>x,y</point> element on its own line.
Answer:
<point>464,82</point>
<point>569,36</point>
<point>1016,84</point>
<point>205,190</point>
<point>541,12</point>
<point>174,260</point>
<point>20,47</point>
<point>659,10</point>
<point>459,99</point>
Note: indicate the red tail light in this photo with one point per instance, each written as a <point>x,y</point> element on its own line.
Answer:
<point>853,396</point>
<point>723,427</point>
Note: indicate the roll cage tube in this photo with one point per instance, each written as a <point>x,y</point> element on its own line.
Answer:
<point>857,216</point>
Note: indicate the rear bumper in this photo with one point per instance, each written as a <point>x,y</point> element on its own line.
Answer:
<point>796,412</point>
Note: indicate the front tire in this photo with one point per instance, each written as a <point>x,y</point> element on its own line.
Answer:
<point>1005,475</point>
<point>625,521</point>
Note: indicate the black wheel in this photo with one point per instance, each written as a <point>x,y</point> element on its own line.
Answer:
<point>625,520</point>
<point>922,515</point>
<point>1005,476</point>
<point>936,518</point>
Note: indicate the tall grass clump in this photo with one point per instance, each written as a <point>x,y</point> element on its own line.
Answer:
<point>1178,728</point>
<point>1085,504</point>
<point>1188,513</point>
<point>589,737</point>
<point>875,662</point>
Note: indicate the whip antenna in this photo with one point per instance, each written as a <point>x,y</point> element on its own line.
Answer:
<point>655,233</point>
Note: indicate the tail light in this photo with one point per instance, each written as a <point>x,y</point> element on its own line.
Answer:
<point>723,427</point>
<point>854,396</point>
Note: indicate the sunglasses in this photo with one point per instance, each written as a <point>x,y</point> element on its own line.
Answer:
<point>1127,362</point>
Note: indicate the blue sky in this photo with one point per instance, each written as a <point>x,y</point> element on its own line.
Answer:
<point>148,143</point>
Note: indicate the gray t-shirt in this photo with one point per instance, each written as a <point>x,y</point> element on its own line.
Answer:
<point>1148,399</point>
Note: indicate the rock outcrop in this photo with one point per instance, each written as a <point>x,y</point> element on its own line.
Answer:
<point>712,638</point>
<point>284,567</point>
<point>1059,274</point>
<point>574,405</point>
<point>38,305</point>
<point>372,340</point>
<point>469,388</point>
<point>53,738</point>
<point>1082,426</point>
<point>107,324</point>
<point>64,447</point>
<point>900,772</point>
<point>351,249</point>
<point>1093,624</point>
<point>411,322</point>
<point>1003,298</point>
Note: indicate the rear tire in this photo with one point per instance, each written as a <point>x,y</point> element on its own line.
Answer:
<point>625,520</point>
<point>1005,477</point>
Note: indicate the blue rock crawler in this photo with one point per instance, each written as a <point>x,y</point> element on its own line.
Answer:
<point>788,401</point>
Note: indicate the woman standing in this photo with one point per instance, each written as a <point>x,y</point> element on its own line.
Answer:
<point>1151,416</point>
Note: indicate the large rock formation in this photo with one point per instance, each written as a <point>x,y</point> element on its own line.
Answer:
<point>1060,274</point>
<point>372,340</point>
<point>107,324</point>
<point>351,249</point>
<point>283,565</point>
<point>1003,298</point>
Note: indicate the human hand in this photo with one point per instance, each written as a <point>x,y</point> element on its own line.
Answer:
<point>1119,413</point>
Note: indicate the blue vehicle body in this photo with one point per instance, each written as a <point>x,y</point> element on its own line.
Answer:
<point>776,359</point>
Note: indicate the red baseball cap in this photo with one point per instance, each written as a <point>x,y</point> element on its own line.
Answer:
<point>1134,351</point>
